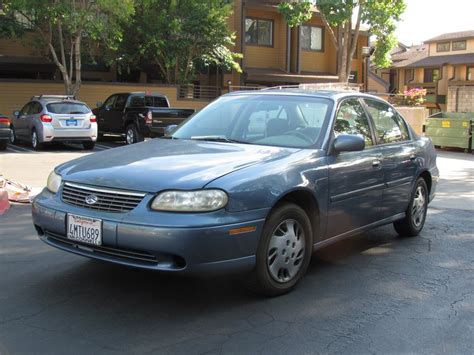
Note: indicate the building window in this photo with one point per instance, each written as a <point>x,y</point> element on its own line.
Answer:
<point>470,73</point>
<point>312,38</point>
<point>459,45</point>
<point>409,75</point>
<point>259,32</point>
<point>431,75</point>
<point>443,47</point>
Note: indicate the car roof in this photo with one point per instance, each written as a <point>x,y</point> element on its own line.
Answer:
<point>328,94</point>
<point>140,93</point>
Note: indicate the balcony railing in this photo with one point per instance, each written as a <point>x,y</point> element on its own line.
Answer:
<point>198,92</point>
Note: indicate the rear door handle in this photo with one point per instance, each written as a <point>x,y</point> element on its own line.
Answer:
<point>412,157</point>
<point>376,163</point>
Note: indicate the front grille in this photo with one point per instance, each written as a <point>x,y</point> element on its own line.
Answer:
<point>122,253</point>
<point>107,199</point>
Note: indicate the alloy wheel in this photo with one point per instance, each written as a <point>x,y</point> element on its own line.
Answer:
<point>130,136</point>
<point>34,139</point>
<point>418,208</point>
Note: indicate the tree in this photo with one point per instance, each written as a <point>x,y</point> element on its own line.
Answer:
<point>343,19</point>
<point>63,26</point>
<point>177,35</point>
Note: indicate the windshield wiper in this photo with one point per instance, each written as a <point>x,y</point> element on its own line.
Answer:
<point>217,139</point>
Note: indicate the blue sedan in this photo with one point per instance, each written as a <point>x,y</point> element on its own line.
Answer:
<point>251,184</point>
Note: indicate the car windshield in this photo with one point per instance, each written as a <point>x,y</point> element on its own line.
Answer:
<point>276,120</point>
<point>68,108</point>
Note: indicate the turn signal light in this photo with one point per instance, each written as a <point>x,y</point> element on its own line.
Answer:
<point>46,118</point>
<point>93,118</point>
<point>4,120</point>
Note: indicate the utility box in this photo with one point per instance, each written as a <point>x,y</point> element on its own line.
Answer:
<point>451,129</point>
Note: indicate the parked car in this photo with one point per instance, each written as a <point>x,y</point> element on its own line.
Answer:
<point>4,131</point>
<point>137,115</point>
<point>253,183</point>
<point>54,118</point>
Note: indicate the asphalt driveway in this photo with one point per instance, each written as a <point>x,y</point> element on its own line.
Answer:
<point>373,293</point>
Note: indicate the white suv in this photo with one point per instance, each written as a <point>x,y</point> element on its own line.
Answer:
<point>54,118</point>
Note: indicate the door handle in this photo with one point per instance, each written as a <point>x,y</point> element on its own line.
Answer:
<point>412,157</point>
<point>376,164</point>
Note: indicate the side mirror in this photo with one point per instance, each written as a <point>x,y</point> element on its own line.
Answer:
<point>16,113</point>
<point>170,129</point>
<point>99,104</point>
<point>348,143</point>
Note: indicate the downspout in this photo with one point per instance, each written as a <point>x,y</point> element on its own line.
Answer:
<point>242,41</point>
<point>288,44</point>
<point>298,52</point>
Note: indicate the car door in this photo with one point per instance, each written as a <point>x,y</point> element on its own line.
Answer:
<point>21,122</point>
<point>399,159</point>
<point>105,115</point>
<point>355,178</point>
<point>117,113</point>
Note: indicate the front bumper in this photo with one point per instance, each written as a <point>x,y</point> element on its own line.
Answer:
<point>192,245</point>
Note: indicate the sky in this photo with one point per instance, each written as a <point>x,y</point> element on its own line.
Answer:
<point>424,19</point>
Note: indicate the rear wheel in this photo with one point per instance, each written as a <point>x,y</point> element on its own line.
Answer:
<point>88,145</point>
<point>13,139</point>
<point>284,252</point>
<point>415,215</point>
<point>131,134</point>
<point>35,143</point>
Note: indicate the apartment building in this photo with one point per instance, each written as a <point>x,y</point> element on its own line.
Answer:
<point>274,54</point>
<point>442,65</point>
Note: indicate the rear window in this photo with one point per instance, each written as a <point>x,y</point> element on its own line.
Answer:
<point>149,101</point>
<point>68,108</point>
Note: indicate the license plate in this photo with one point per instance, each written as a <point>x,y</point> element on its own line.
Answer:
<point>84,229</point>
<point>71,122</point>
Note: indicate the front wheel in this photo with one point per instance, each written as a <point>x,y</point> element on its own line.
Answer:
<point>284,251</point>
<point>415,215</point>
<point>13,139</point>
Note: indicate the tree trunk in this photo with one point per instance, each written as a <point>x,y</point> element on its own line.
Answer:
<point>343,77</point>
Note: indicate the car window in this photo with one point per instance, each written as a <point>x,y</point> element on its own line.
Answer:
<point>389,126</point>
<point>159,101</point>
<point>351,119</point>
<point>275,120</point>
<point>25,109</point>
<point>109,103</point>
<point>137,101</point>
<point>67,108</point>
<point>35,108</point>
<point>120,102</point>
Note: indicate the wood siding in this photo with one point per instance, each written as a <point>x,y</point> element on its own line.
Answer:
<point>15,94</point>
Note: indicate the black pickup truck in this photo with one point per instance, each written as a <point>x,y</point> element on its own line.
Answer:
<point>137,115</point>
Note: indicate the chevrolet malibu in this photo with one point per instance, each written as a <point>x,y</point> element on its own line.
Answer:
<point>252,184</point>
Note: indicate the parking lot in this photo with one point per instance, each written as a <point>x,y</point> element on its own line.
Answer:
<point>372,293</point>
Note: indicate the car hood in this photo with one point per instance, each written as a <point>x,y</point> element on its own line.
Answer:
<point>161,164</point>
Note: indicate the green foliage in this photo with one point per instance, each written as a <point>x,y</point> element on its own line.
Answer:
<point>62,26</point>
<point>296,12</point>
<point>179,35</point>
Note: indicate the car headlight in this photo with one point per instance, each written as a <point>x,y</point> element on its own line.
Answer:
<point>54,182</point>
<point>190,201</point>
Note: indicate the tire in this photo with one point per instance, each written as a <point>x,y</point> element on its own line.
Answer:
<point>131,134</point>
<point>415,215</point>
<point>282,257</point>
<point>13,139</point>
<point>3,145</point>
<point>35,143</point>
<point>88,145</point>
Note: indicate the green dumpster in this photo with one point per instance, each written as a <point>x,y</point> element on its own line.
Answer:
<point>451,129</point>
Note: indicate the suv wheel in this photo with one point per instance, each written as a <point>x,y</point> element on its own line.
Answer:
<point>88,145</point>
<point>13,139</point>
<point>35,143</point>
<point>131,134</point>
<point>284,252</point>
<point>415,216</point>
